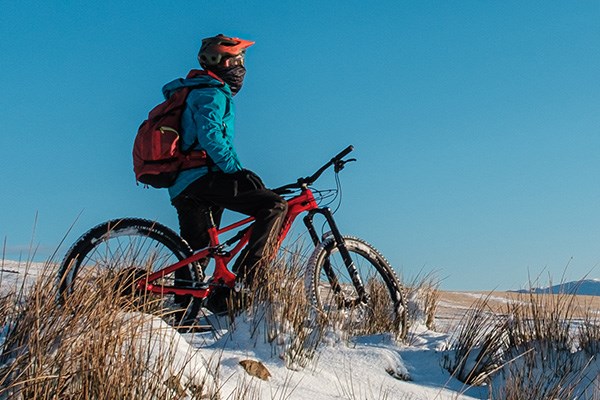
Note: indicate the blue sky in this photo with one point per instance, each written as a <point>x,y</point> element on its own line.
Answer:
<point>476,123</point>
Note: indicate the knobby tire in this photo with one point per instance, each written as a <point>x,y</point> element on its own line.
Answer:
<point>384,307</point>
<point>123,250</point>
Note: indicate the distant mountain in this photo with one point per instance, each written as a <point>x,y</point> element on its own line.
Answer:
<point>585,287</point>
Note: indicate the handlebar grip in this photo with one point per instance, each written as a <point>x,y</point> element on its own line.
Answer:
<point>344,153</point>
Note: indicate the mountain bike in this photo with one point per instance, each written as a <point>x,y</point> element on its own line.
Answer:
<point>343,274</point>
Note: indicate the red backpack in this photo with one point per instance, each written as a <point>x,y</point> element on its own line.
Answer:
<point>157,154</point>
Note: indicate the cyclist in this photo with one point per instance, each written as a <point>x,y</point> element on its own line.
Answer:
<point>208,124</point>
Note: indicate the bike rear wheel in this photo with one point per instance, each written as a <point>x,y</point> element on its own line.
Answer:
<point>382,306</point>
<point>122,251</point>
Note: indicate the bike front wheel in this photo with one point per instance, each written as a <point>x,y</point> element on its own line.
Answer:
<point>119,253</point>
<point>369,300</point>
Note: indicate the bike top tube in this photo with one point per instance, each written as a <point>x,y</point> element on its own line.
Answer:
<point>304,201</point>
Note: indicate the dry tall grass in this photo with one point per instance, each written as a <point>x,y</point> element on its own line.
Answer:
<point>535,348</point>
<point>281,311</point>
<point>101,345</point>
<point>477,349</point>
<point>276,310</point>
<point>423,295</point>
<point>93,348</point>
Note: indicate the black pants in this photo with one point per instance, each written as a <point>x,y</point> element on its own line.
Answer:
<point>242,192</point>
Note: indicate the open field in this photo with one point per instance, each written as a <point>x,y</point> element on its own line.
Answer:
<point>431,364</point>
<point>452,306</point>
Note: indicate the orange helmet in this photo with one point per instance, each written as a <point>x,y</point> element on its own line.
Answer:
<point>222,51</point>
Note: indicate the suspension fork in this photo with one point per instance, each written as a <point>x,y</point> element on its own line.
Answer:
<point>341,246</point>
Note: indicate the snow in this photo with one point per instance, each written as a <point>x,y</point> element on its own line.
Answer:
<point>369,367</point>
<point>16,274</point>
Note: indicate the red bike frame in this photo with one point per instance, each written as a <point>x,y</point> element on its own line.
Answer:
<point>303,202</point>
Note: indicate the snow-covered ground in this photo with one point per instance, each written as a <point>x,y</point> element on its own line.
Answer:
<point>372,367</point>
<point>365,368</point>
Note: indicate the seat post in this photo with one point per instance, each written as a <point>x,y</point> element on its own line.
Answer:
<point>212,227</point>
<point>208,215</point>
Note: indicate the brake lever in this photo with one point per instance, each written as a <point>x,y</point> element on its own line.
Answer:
<point>340,164</point>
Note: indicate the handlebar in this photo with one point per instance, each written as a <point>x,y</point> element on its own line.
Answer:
<point>336,161</point>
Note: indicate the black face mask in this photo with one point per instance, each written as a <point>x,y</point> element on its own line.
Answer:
<point>233,76</point>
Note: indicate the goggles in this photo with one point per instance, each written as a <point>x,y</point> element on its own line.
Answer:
<point>232,61</point>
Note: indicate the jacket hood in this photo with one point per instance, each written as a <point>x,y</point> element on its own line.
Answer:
<point>194,78</point>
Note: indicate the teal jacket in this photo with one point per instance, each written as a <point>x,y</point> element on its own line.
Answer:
<point>207,124</point>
